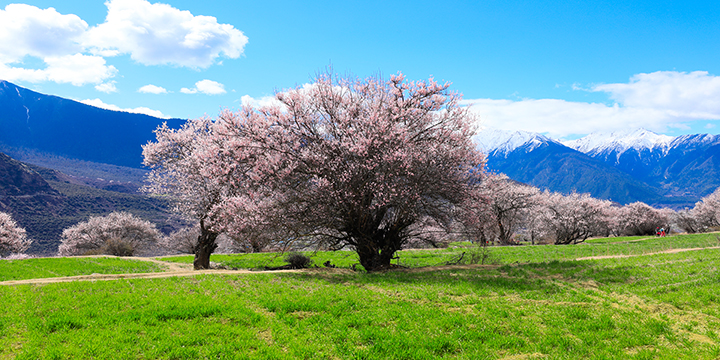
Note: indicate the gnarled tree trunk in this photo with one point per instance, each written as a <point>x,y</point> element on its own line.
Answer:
<point>205,246</point>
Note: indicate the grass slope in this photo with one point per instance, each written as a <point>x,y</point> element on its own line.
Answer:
<point>661,306</point>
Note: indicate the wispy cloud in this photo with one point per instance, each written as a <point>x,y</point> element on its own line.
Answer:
<point>152,89</point>
<point>655,101</point>
<point>207,87</point>
<point>247,100</point>
<point>139,110</point>
<point>108,87</point>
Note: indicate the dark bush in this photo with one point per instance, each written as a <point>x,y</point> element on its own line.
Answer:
<point>117,247</point>
<point>298,261</point>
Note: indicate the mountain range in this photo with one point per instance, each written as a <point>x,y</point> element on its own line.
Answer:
<point>45,201</point>
<point>636,165</point>
<point>50,124</point>
<point>78,161</point>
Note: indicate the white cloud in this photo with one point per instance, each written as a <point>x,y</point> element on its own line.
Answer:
<point>108,87</point>
<point>207,87</point>
<point>76,69</point>
<point>247,100</point>
<point>155,34</point>
<point>152,34</point>
<point>53,37</point>
<point>694,95</point>
<point>654,101</point>
<point>27,30</point>
<point>139,110</point>
<point>152,89</point>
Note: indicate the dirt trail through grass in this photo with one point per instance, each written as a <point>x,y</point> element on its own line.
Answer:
<point>671,251</point>
<point>173,269</point>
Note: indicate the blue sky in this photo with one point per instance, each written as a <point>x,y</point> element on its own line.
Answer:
<point>563,68</point>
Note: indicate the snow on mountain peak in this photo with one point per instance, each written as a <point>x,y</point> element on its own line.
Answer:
<point>505,141</point>
<point>621,141</point>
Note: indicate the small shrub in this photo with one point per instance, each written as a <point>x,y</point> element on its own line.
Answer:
<point>476,254</point>
<point>298,261</point>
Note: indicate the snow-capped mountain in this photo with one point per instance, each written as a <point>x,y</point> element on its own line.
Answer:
<point>496,141</point>
<point>640,140</point>
<point>636,165</point>
<point>546,163</point>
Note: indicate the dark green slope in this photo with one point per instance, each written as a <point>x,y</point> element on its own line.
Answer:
<point>48,202</point>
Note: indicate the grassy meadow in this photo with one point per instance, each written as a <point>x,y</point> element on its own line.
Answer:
<point>530,302</point>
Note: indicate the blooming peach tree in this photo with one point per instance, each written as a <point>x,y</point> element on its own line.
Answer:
<point>119,233</point>
<point>510,204</point>
<point>180,162</point>
<point>344,163</point>
<point>639,218</point>
<point>13,239</point>
<point>707,211</point>
<point>570,219</point>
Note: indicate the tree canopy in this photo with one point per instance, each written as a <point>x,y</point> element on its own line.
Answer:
<point>343,162</point>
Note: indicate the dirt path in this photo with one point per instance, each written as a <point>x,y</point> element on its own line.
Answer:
<point>173,269</point>
<point>671,251</point>
<point>180,269</point>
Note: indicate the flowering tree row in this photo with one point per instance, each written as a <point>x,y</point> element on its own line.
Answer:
<point>515,210</point>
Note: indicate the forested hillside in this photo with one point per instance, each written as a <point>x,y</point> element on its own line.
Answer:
<point>46,201</point>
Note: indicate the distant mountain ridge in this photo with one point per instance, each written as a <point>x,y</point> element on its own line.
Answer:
<point>628,166</point>
<point>46,201</point>
<point>18,179</point>
<point>619,142</point>
<point>72,129</point>
<point>494,141</point>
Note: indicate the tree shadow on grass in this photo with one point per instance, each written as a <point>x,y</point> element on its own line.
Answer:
<point>516,277</point>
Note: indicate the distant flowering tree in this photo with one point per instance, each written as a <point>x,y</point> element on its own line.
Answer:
<point>119,233</point>
<point>686,220</point>
<point>707,211</point>
<point>13,239</point>
<point>345,162</point>
<point>570,219</point>
<point>639,218</point>
<point>502,209</point>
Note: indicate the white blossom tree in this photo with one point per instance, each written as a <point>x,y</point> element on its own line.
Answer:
<point>501,207</point>
<point>707,211</point>
<point>13,239</point>
<point>639,218</point>
<point>119,233</point>
<point>510,204</point>
<point>686,219</point>
<point>570,219</point>
<point>180,164</point>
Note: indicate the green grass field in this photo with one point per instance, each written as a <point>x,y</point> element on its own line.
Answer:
<point>535,303</point>
<point>57,267</point>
